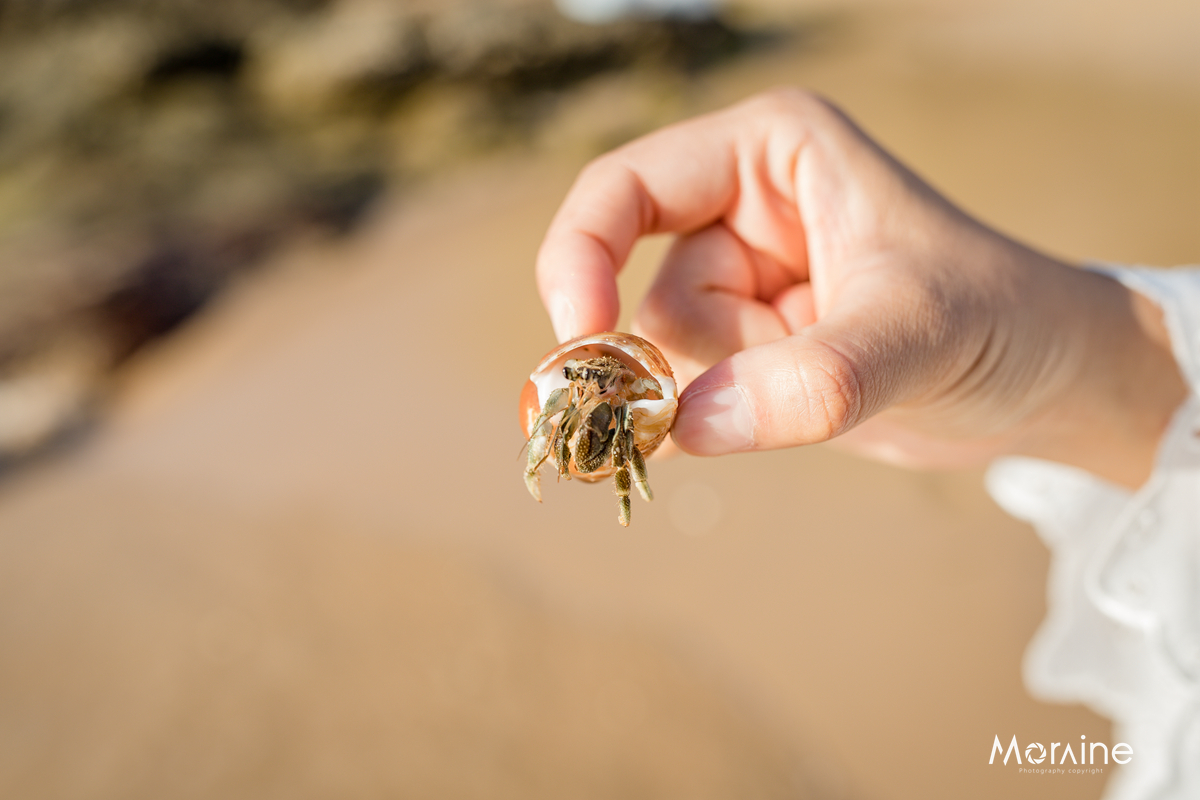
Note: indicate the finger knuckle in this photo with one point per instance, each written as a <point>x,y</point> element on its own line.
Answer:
<point>831,389</point>
<point>596,169</point>
<point>789,101</point>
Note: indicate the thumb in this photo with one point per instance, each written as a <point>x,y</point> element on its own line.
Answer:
<point>802,389</point>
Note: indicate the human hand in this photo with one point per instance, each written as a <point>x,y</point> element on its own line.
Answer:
<point>818,289</point>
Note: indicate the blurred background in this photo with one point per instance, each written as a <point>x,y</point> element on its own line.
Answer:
<point>266,305</point>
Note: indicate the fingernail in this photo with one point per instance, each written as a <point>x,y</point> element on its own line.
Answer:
<point>562,316</point>
<point>715,421</point>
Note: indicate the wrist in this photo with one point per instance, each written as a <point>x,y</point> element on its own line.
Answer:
<point>1124,384</point>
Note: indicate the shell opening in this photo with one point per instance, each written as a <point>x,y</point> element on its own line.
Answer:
<point>549,376</point>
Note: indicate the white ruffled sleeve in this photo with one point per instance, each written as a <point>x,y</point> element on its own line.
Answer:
<point>1122,634</point>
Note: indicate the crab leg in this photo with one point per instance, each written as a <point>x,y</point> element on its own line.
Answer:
<point>560,443</point>
<point>636,460</point>
<point>621,466</point>
<point>555,403</point>
<point>537,454</point>
<point>639,472</point>
<point>539,440</point>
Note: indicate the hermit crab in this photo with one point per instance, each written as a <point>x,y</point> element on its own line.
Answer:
<point>596,407</point>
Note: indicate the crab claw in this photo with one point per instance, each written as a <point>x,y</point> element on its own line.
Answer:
<point>539,440</point>
<point>534,484</point>
<point>537,454</point>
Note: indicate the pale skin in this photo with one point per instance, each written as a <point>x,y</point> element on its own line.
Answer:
<point>819,290</point>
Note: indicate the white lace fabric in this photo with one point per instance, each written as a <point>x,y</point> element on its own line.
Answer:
<point>1122,633</point>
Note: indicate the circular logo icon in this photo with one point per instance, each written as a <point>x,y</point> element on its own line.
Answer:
<point>1041,756</point>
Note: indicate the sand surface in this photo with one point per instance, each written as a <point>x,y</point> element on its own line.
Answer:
<point>298,560</point>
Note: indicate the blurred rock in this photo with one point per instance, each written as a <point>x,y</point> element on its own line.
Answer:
<point>150,150</point>
<point>598,11</point>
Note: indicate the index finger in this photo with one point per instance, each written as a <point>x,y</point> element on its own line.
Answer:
<point>677,179</point>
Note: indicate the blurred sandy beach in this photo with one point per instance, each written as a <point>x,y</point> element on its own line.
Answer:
<point>296,558</point>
